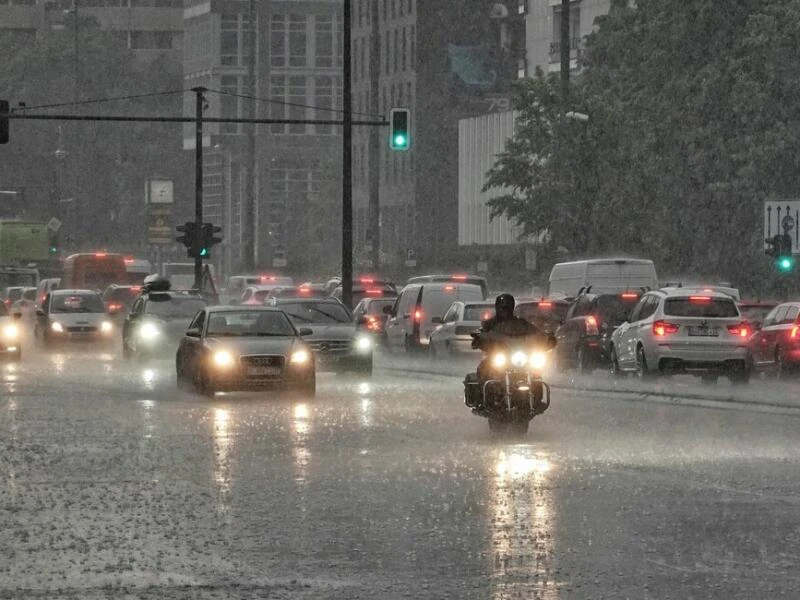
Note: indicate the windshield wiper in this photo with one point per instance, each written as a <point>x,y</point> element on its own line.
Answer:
<point>330,316</point>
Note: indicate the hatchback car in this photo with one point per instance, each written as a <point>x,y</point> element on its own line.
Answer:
<point>453,335</point>
<point>232,348</point>
<point>72,316</point>
<point>776,346</point>
<point>683,330</point>
<point>370,316</point>
<point>119,298</point>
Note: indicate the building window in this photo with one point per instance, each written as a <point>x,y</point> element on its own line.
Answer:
<point>324,41</point>
<point>396,49</point>
<point>277,93</point>
<point>229,105</point>
<point>413,36</point>
<point>235,40</point>
<point>410,6</point>
<point>278,41</point>
<point>394,9</point>
<point>297,40</point>
<point>339,40</point>
<point>574,32</point>
<point>323,98</point>
<point>385,10</point>
<point>403,50</point>
<point>364,60</point>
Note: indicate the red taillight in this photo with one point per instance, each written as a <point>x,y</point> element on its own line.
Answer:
<point>487,315</point>
<point>591,325</point>
<point>373,324</point>
<point>459,277</point>
<point>375,292</point>
<point>136,288</point>
<point>629,296</point>
<point>418,315</point>
<point>114,307</point>
<point>128,261</point>
<point>699,299</point>
<point>449,288</point>
<point>304,290</point>
<point>740,330</point>
<point>367,280</point>
<point>545,305</point>
<point>795,332</point>
<point>662,328</point>
<point>265,278</point>
<point>100,254</point>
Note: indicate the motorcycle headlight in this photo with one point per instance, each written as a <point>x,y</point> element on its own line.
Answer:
<point>11,332</point>
<point>499,360</point>
<point>538,360</point>
<point>57,327</point>
<point>299,357</point>
<point>106,327</point>
<point>519,359</point>
<point>363,343</point>
<point>149,331</point>
<point>223,359</point>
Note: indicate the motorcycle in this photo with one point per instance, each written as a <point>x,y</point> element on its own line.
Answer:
<point>508,388</point>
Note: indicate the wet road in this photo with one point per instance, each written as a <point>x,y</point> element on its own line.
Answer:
<point>116,485</point>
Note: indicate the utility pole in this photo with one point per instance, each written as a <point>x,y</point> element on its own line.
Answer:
<point>565,52</point>
<point>374,141</point>
<point>198,178</point>
<point>347,167</point>
<point>249,221</point>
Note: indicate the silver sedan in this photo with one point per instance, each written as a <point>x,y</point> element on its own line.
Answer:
<point>452,334</point>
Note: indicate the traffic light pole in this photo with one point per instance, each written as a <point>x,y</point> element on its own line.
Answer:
<point>198,179</point>
<point>347,172</point>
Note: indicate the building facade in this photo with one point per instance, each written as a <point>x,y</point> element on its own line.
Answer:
<point>543,31</point>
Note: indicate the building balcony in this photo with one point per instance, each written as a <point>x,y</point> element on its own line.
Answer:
<point>575,49</point>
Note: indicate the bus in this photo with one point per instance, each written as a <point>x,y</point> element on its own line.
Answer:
<point>94,271</point>
<point>137,269</point>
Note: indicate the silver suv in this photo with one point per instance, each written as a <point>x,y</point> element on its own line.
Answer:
<point>678,330</point>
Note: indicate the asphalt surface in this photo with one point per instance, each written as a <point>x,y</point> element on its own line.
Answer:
<point>117,485</point>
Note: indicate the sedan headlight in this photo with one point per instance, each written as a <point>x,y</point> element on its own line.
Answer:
<point>519,359</point>
<point>223,359</point>
<point>149,331</point>
<point>57,327</point>
<point>363,343</point>
<point>538,360</point>
<point>299,357</point>
<point>106,327</point>
<point>11,332</point>
<point>499,360</point>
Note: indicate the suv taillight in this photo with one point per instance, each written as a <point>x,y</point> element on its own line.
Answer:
<point>591,325</point>
<point>662,328</point>
<point>740,330</point>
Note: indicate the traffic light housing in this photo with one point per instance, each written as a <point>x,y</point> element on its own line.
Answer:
<point>189,238</point>
<point>400,129</point>
<point>780,248</point>
<point>207,239</point>
<point>4,121</point>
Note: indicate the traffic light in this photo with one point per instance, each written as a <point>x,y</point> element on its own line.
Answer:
<point>4,110</point>
<point>400,125</point>
<point>189,238</point>
<point>207,239</point>
<point>780,248</point>
<point>53,243</point>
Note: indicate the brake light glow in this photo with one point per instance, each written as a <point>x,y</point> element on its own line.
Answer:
<point>662,328</point>
<point>375,292</point>
<point>367,280</point>
<point>487,315</point>
<point>449,288</point>
<point>629,296</point>
<point>304,290</point>
<point>545,305</point>
<point>418,315</point>
<point>740,330</point>
<point>114,307</point>
<point>591,325</point>
<point>373,323</point>
<point>459,277</point>
<point>795,332</point>
<point>267,278</point>
<point>128,261</point>
<point>100,254</point>
<point>136,288</point>
<point>699,299</point>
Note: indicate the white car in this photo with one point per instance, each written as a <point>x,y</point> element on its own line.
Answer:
<point>453,335</point>
<point>72,316</point>
<point>681,330</point>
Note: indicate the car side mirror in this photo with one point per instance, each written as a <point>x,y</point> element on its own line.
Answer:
<point>17,316</point>
<point>437,320</point>
<point>194,332</point>
<point>303,331</point>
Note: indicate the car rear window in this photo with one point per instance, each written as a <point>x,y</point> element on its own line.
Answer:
<point>704,307</point>
<point>477,312</point>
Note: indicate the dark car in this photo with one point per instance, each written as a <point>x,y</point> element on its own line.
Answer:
<point>755,312</point>
<point>370,316</point>
<point>157,321</point>
<point>545,313</point>
<point>119,298</point>
<point>583,341</point>
<point>237,348</point>
<point>305,290</point>
<point>336,341</point>
<point>776,345</point>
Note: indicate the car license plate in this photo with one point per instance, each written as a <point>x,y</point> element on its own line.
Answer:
<point>704,331</point>
<point>263,371</point>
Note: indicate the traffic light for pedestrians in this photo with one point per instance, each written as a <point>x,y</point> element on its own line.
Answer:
<point>207,239</point>
<point>400,125</point>
<point>189,238</point>
<point>4,110</point>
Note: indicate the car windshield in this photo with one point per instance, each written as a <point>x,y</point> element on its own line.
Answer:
<point>705,307</point>
<point>14,294</point>
<point>316,312</point>
<point>376,306</point>
<point>478,312</point>
<point>76,303</point>
<point>168,306</point>
<point>29,294</point>
<point>251,323</point>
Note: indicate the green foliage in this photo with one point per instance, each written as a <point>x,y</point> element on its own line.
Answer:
<point>692,125</point>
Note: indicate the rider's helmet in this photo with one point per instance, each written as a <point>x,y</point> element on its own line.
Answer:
<point>504,306</point>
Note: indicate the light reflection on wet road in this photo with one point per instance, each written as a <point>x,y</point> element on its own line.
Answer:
<point>116,484</point>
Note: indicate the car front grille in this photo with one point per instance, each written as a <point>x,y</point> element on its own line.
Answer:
<point>262,360</point>
<point>330,346</point>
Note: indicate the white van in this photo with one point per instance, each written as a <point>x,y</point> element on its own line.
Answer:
<point>410,321</point>
<point>605,275</point>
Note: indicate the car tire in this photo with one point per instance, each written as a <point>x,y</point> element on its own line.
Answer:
<point>581,364</point>
<point>615,370</point>
<point>434,352</point>
<point>641,364</point>
<point>203,384</point>
<point>740,376</point>
<point>126,351</point>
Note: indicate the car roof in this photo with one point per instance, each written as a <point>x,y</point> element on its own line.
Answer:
<point>68,292</point>
<point>327,300</point>
<point>242,308</point>
<point>684,292</point>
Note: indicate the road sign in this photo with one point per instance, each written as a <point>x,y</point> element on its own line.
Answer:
<point>158,191</point>
<point>782,216</point>
<point>159,230</point>
<point>54,225</point>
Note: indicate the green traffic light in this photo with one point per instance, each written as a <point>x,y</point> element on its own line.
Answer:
<point>785,263</point>
<point>203,251</point>
<point>400,140</point>
<point>53,249</point>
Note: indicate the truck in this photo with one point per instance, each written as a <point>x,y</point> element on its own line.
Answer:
<point>24,251</point>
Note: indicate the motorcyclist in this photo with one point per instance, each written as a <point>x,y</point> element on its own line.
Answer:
<point>498,329</point>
